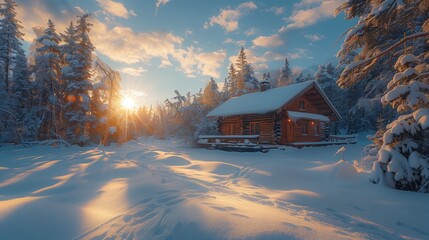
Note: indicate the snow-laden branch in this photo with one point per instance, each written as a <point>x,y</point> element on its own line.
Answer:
<point>357,64</point>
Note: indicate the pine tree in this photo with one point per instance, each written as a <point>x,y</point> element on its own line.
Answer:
<point>402,159</point>
<point>78,61</point>
<point>225,94</point>
<point>246,80</point>
<point>285,77</point>
<point>47,73</point>
<point>211,96</point>
<point>232,81</point>
<point>21,86</point>
<point>300,78</point>
<point>404,154</point>
<point>10,38</point>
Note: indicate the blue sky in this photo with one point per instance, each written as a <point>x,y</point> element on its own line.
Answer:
<point>163,45</point>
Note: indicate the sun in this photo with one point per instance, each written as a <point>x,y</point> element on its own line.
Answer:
<point>128,103</point>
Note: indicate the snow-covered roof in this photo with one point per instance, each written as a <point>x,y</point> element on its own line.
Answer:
<point>303,115</point>
<point>260,102</point>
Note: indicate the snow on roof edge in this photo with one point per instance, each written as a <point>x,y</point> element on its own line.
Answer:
<point>304,115</point>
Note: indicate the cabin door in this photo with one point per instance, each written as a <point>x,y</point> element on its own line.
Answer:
<point>287,131</point>
<point>290,131</point>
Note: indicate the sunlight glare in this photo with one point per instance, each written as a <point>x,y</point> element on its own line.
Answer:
<point>128,103</point>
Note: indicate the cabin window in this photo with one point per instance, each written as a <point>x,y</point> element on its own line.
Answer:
<point>301,104</point>
<point>254,128</point>
<point>304,127</point>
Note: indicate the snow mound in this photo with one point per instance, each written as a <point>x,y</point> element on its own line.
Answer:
<point>339,171</point>
<point>175,161</point>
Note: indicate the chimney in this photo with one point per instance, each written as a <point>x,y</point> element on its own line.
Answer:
<point>265,85</point>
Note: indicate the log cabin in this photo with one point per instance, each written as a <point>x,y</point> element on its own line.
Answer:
<point>297,113</point>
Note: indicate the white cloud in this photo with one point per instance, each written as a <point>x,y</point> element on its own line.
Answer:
<point>136,72</point>
<point>277,10</point>
<point>116,9</point>
<point>251,31</point>
<point>228,18</point>
<point>193,61</point>
<point>270,41</point>
<point>132,13</point>
<point>299,54</point>
<point>228,41</point>
<point>122,44</point>
<point>188,32</point>
<point>240,43</point>
<point>247,6</point>
<point>314,37</point>
<point>161,2</point>
<point>309,12</point>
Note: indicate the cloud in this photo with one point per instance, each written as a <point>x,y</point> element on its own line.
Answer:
<point>193,61</point>
<point>121,44</point>
<point>228,18</point>
<point>136,72</point>
<point>251,31</point>
<point>188,32</point>
<point>309,12</point>
<point>247,6</point>
<point>270,41</point>
<point>161,2</point>
<point>314,37</point>
<point>241,43</point>
<point>299,54</point>
<point>116,9</point>
<point>277,10</point>
<point>238,43</point>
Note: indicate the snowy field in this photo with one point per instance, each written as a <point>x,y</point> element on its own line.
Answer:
<point>163,190</point>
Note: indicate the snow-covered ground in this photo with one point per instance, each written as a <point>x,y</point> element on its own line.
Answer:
<point>163,190</point>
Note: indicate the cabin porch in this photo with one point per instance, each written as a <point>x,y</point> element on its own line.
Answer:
<point>250,143</point>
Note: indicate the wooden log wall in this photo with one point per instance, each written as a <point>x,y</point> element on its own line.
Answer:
<point>266,126</point>
<point>235,121</point>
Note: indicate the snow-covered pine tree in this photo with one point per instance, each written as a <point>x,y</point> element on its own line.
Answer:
<point>285,77</point>
<point>47,72</point>
<point>21,100</point>
<point>308,77</point>
<point>232,81</point>
<point>246,80</point>
<point>211,96</point>
<point>381,24</point>
<point>299,78</point>
<point>403,158</point>
<point>404,154</point>
<point>10,39</point>
<point>77,74</point>
<point>10,44</point>
<point>225,95</point>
